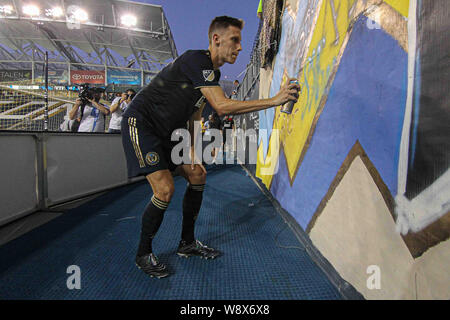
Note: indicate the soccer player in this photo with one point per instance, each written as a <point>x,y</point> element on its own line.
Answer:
<point>175,96</point>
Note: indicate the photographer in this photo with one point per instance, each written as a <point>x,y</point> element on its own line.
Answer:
<point>118,106</point>
<point>89,112</point>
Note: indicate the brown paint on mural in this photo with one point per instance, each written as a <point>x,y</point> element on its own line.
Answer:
<point>392,22</point>
<point>354,152</point>
<point>291,7</point>
<point>421,241</point>
<point>417,243</point>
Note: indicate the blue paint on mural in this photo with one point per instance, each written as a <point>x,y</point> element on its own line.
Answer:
<point>366,103</point>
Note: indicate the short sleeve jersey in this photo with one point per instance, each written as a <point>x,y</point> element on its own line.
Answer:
<point>228,123</point>
<point>93,120</point>
<point>116,116</point>
<point>170,99</point>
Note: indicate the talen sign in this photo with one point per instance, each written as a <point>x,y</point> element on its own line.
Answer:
<point>14,75</point>
<point>87,76</point>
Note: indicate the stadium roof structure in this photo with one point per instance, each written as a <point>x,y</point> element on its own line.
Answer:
<point>85,34</point>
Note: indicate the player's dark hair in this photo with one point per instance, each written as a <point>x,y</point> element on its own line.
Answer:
<point>224,22</point>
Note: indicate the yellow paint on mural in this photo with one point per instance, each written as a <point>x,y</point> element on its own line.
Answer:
<point>322,55</point>
<point>402,6</point>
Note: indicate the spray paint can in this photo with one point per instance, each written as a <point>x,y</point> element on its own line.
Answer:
<point>288,106</point>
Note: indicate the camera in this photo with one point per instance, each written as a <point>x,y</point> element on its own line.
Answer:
<point>86,93</point>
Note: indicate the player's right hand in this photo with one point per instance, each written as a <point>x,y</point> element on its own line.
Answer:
<point>289,92</point>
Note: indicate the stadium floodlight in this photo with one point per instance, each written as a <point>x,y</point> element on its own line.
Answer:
<point>31,10</point>
<point>8,9</point>
<point>80,15</point>
<point>128,20</point>
<point>55,12</point>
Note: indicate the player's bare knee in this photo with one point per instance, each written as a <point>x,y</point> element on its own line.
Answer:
<point>197,176</point>
<point>164,192</point>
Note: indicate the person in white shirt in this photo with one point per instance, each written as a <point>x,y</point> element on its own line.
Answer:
<point>118,106</point>
<point>94,113</point>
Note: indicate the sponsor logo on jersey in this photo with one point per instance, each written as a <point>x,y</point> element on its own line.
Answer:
<point>152,158</point>
<point>208,75</point>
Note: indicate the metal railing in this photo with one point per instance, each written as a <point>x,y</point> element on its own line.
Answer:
<point>252,71</point>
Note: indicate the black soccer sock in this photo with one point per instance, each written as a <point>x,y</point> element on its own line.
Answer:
<point>151,221</point>
<point>191,207</point>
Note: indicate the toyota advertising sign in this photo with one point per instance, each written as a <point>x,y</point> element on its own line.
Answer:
<point>87,76</point>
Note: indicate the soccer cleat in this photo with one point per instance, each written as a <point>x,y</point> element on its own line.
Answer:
<point>150,265</point>
<point>197,248</point>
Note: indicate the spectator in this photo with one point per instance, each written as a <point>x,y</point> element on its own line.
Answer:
<point>119,106</point>
<point>234,92</point>
<point>207,123</point>
<point>227,125</point>
<point>215,123</point>
<point>131,94</point>
<point>67,123</point>
<point>203,125</point>
<point>90,115</point>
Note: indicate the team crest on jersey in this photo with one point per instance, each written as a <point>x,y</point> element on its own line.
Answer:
<point>208,75</point>
<point>152,158</point>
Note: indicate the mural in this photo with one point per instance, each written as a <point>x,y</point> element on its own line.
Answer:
<point>374,87</point>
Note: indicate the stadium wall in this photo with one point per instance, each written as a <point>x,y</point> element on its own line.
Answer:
<point>41,170</point>
<point>362,163</point>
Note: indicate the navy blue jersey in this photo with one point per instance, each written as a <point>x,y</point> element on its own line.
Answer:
<point>170,99</point>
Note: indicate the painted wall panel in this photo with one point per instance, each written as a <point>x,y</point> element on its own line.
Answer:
<point>349,116</point>
<point>374,78</point>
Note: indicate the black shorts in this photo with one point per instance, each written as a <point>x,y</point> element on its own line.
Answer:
<point>145,152</point>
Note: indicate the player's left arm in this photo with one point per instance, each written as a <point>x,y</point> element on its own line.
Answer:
<point>224,106</point>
